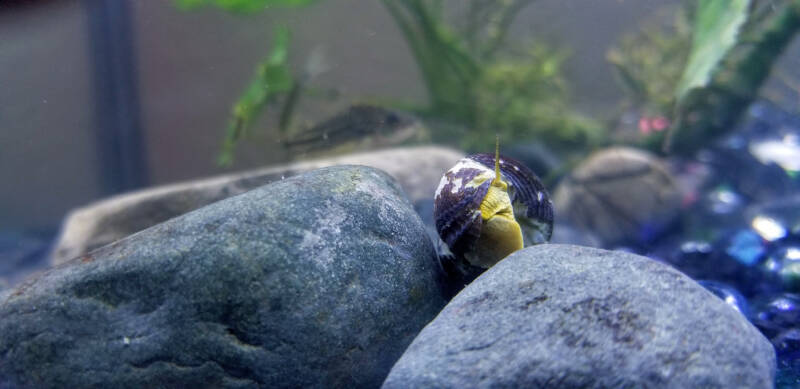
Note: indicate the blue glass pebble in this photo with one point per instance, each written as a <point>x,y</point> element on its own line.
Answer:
<point>693,257</point>
<point>728,294</point>
<point>782,213</point>
<point>723,200</point>
<point>788,374</point>
<point>746,246</point>
<point>768,228</point>
<point>759,111</point>
<point>787,343</point>
<point>774,314</point>
<point>696,247</point>
<point>783,264</point>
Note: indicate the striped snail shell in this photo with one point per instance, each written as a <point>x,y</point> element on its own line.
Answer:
<point>488,206</point>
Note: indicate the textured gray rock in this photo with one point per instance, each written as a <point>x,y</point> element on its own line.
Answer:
<point>320,280</point>
<point>417,170</point>
<point>560,316</point>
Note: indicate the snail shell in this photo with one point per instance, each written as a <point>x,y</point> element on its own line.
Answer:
<point>482,219</point>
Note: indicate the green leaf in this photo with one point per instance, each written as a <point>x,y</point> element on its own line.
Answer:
<point>715,30</point>
<point>709,112</point>
<point>273,78</point>
<point>242,6</point>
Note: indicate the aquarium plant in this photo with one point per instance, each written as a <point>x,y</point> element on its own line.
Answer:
<point>478,84</point>
<point>701,78</point>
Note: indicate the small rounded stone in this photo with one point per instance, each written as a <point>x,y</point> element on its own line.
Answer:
<point>620,194</point>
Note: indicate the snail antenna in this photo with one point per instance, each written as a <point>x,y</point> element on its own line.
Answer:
<point>496,159</point>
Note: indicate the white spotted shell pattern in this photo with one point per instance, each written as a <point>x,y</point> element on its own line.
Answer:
<point>462,189</point>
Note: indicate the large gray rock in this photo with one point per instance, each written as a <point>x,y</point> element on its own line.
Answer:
<point>320,280</point>
<point>559,316</point>
<point>417,170</point>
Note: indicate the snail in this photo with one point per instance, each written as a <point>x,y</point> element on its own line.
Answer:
<point>485,208</point>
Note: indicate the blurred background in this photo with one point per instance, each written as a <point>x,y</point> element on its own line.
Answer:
<point>98,97</point>
<point>667,128</point>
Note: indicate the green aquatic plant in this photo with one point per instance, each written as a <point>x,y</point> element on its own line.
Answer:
<point>242,6</point>
<point>716,29</point>
<point>650,62</point>
<point>706,112</point>
<point>483,89</point>
<point>476,87</point>
<point>703,70</point>
<point>448,70</point>
<point>273,78</point>
<point>527,99</point>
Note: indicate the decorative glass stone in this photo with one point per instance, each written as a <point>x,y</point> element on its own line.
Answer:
<point>728,294</point>
<point>774,314</point>
<point>787,343</point>
<point>782,151</point>
<point>768,228</point>
<point>783,264</point>
<point>746,247</point>
<point>724,200</point>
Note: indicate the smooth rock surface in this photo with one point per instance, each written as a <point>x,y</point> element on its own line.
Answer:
<point>621,195</point>
<point>560,316</point>
<point>320,280</point>
<point>417,170</point>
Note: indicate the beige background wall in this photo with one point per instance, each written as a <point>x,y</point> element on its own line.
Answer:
<point>46,151</point>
